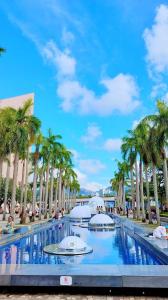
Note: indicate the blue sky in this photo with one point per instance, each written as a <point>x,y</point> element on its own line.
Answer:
<point>96,68</point>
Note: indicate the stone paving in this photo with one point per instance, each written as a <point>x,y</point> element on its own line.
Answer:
<point>72,297</point>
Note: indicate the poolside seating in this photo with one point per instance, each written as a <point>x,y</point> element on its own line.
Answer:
<point>160,232</point>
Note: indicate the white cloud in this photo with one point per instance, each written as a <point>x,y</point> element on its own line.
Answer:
<point>93,132</point>
<point>67,36</point>
<point>156,40</point>
<point>121,95</point>
<point>64,62</point>
<point>91,166</point>
<point>81,176</point>
<point>85,183</point>
<point>158,90</point>
<point>121,92</point>
<point>165,98</point>
<point>93,186</point>
<point>112,144</point>
<point>75,154</point>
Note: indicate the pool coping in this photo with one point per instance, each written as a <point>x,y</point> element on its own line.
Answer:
<point>105,276</point>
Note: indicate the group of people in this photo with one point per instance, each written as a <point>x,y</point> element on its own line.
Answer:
<point>58,214</point>
<point>99,209</point>
<point>9,228</point>
<point>160,232</point>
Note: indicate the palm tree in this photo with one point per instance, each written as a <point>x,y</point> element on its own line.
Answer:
<point>74,189</point>
<point>159,121</point>
<point>6,146</point>
<point>7,185</point>
<point>130,150</point>
<point>24,128</point>
<point>115,187</point>
<point>120,181</point>
<point>129,153</point>
<point>64,159</point>
<point>6,115</point>
<point>35,160</point>
<point>54,158</point>
<point>155,159</point>
<point>49,145</point>
<point>142,138</point>
<point>2,50</point>
<point>69,177</point>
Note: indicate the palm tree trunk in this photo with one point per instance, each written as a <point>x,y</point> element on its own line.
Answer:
<point>60,189</point>
<point>147,193</point>
<point>62,196</point>
<point>132,191</point>
<point>68,199</point>
<point>51,192</point>
<point>26,183</point>
<point>22,184</point>
<point>1,165</point>
<point>123,198</point>
<point>165,178</point>
<point>156,193</point>
<point>7,186</point>
<point>15,174</point>
<point>41,194</point>
<point>120,193</point>
<point>137,191</point>
<point>34,186</point>
<point>74,198</point>
<point>56,195</point>
<point>141,190</point>
<point>46,190</point>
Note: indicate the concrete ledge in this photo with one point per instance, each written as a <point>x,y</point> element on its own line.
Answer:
<point>145,281</point>
<point>127,276</point>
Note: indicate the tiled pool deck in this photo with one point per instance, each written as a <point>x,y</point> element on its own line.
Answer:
<point>72,297</point>
<point>105,276</point>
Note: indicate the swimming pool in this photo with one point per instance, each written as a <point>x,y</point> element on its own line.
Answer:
<point>114,247</point>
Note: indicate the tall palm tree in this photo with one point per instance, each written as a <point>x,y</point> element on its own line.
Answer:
<point>69,177</point>
<point>155,159</point>
<point>142,138</point>
<point>64,159</point>
<point>129,153</point>
<point>35,160</point>
<point>49,144</point>
<point>24,129</point>
<point>56,148</point>
<point>115,187</point>
<point>6,124</point>
<point>159,121</point>
<point>74,189</point>
<point>2,50</point>
<point>123,169</point>
<point>7,185</point>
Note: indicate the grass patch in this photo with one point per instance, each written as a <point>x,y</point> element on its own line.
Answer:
<point>165,214</point>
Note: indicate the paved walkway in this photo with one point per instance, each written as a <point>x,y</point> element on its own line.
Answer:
<point>72,297</point>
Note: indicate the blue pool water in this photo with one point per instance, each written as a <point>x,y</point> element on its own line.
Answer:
<point>109,247</point>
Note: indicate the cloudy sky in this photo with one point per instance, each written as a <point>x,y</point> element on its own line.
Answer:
<point>96,68</point>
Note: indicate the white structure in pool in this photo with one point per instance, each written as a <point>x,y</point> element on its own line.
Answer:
<point>70,245</point>
<point>95,203</point>
<point>101,221</point>
<point>80,213</point>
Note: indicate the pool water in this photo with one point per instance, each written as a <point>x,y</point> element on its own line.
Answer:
<point>109,247</point>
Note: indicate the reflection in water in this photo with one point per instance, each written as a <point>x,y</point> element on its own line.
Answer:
<point>109,247</point>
